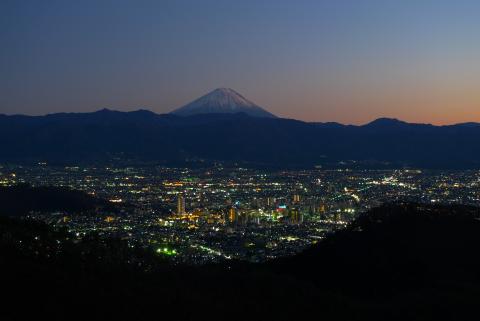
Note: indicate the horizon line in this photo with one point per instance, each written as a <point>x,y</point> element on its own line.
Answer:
<point>278,117</point>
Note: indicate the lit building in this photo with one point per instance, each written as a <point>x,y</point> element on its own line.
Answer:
<point>270,201</point>
<point>296,198</point>
<point>295,216</point>
<point>180,204</point>
<point>232,215</point>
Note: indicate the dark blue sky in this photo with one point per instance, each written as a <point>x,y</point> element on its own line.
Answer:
<point>348,61</point>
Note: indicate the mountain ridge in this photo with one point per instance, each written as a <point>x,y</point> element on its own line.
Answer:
<point>235,138</point>
<point>379,120</point>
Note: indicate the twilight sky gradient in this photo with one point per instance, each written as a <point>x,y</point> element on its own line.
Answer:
<point>337,60</point>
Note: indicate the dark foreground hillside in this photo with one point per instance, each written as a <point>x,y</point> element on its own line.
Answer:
<point>398,262</point>
<point>19,200</point>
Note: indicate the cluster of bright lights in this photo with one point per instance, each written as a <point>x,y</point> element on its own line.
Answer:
<point>166,251</point>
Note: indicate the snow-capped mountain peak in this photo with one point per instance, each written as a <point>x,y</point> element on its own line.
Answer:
<point>222,101</point>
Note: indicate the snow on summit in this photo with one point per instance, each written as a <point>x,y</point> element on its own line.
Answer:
<point>222,101</point>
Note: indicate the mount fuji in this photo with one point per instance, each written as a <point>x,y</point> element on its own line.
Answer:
<point>222,101</point>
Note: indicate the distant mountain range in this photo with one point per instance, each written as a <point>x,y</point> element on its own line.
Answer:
<point>146,136</point>
<point>243,138</point>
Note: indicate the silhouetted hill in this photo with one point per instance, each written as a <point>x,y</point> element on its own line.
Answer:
<point>398,246</point>
<point>21,199</point>
<point>145,136</point>
<point>405,261</point>
<point>397,262</point>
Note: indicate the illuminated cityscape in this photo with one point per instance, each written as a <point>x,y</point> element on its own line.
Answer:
<point>198,216</point>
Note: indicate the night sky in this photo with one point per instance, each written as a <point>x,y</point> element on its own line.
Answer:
<point>339,60</point>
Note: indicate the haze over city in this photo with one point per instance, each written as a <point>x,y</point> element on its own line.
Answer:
<point>344,61</point>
